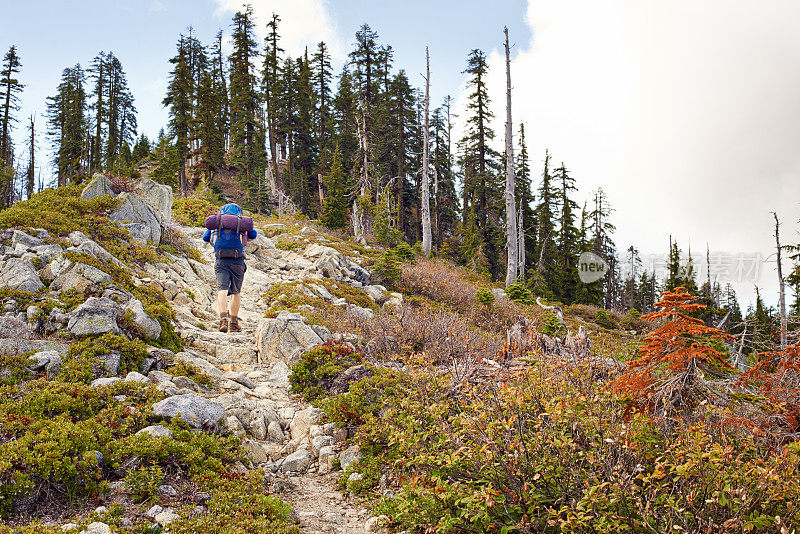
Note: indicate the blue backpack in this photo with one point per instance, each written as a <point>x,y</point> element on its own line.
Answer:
<point>227,243</point>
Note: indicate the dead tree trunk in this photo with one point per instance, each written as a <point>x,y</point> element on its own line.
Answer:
<point>782,285</point>
<point>31,161</point>
<point>511,210</point>
<point>426,187</point>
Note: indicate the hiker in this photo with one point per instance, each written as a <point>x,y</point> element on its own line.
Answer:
<point>232,233</point>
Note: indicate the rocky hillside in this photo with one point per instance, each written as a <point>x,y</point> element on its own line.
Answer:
<point>441,404</point>
<point>88,340</point>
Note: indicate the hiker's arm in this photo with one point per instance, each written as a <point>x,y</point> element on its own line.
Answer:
<point>248,236</point>
<point>207,236</point>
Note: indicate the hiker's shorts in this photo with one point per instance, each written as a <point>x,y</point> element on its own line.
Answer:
<point>230,274</point>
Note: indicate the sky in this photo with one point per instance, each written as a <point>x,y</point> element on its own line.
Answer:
<point>686,112</point>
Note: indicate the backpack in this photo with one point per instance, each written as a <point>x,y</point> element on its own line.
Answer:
<point>226,228</point>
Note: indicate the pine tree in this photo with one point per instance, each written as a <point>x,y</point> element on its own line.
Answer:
<point>344,120</point>
<point>30,175</point>
<point>66,114</point>
<point>673,266</point>
<point>525,199</point>
<point>545,251</point>
<point>334,213</point>
<point>322,83</point>
<point>479,162</point>
<point>247,139</point>
<point>271,86</point>
<point>10,87</point>
<point>220,83</point>
<point>565,281</point>
<point>179,99</point>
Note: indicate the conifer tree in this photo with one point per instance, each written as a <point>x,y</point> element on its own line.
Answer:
<point>524,199</point>
<point>179,99</point>
<point>479,162</point>
<point>30,175</point>
<point>247,140</point>
<point>10,87</point>
<point>334,213</point>
<point>221,85</point>
<point>271,87</point>
<point>544,254</point>
<point>66,115</point>
<point>322,83</point>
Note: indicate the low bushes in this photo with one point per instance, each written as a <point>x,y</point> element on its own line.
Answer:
<point>192,211</point>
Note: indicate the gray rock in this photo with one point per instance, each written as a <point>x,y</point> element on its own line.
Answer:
<point>49,360</point>
<point>133,376</point>
<point>341,384</point>
<point>191,408</point>
<point>157,431</point>
<point>15,347</point>
<point>11,327</point>
<point>363,314</point>
<point>154,510</point>
<point>275,432</point>
<point>82,278</point>
<point>99,185</point>
<point>297,462</point>
<point>159,377</point>
<point>326,457</point>
<point>319,442</point>
<point>20,275</point>
<point>95,316</point>
<point>96,528</point>
<point>285,338</point>
<point>377,293</point>
<point>185,382</point>
<point>167,490</point>
<point>255,451</point>
<point>158,196</point>
<point>350,455</point>
<point>101,382</point>
<point>111,361</point>
<point>147,324</point>
<point>23,240</point>
<point>302,421</point>
<point>240,378</point>
<point>166,517</point>
<point>138,217</point>
<point>234,425</point>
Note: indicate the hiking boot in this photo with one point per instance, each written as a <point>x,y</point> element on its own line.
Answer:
<point>223,324</point>
<point>235,325</point>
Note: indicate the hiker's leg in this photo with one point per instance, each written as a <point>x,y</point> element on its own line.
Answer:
<point>222,303</point>
<point>236,302</point>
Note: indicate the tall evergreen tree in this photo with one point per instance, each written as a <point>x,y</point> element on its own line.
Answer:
<point>525,199</point>
<point>271,84</point>
<point>66,114</point>
<point>179,99</point>
<point>10,87</point>
<point>479,162</point>
<point>247,139</point>
<point>334,213</point>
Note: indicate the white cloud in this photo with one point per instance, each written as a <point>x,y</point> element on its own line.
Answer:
<point>156,6</point>
<point>304,23</point>
<point>685,112</point>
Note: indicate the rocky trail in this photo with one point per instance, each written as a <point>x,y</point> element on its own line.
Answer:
<point>246,388</point>
<point>316,502</point>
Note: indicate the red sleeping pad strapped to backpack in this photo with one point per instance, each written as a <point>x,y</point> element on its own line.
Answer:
<point>229,222</point>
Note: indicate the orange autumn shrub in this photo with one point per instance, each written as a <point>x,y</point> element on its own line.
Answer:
<point>668,372</point>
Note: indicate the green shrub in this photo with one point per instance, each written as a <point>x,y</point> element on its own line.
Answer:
<point>317,368</point>
<point>604,318</point>
<point>485,297</point>
<point>404,253</point>
<point>81,364</point>
<point>387,268</point>
<point>192,211</point>
<point>190,371</point>
<point>143,483</point>
<point>519,292</point>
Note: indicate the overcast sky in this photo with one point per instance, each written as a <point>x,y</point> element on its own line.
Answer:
<point>685,111</point>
